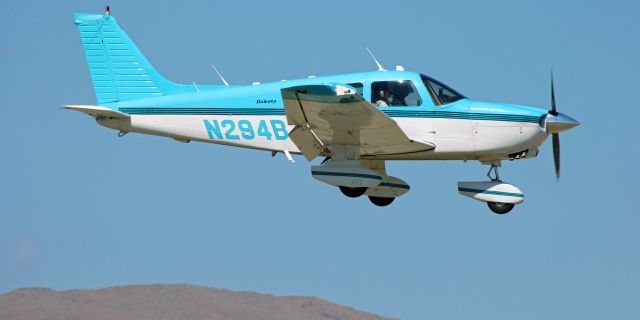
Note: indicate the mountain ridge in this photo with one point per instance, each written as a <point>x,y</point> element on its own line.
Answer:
<point>167,302</point>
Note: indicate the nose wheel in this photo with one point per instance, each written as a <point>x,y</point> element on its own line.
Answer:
<point>499,207</point>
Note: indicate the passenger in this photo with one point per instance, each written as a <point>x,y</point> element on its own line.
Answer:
<point>384,97</point>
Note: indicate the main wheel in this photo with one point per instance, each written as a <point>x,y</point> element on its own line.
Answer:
<point>381,201</point>
<point>353,192</point>
<point>499,207</point>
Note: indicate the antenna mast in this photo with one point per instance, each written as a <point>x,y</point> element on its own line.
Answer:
<point>219,75</point>
<point>380,67</point>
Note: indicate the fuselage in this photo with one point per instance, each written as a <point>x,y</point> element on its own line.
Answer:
<point>253,116</point>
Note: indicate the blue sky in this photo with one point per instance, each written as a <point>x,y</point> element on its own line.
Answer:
<point>81,208</point>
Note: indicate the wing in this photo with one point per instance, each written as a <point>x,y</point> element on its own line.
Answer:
<point>98,111</point>
<point>327,116</point>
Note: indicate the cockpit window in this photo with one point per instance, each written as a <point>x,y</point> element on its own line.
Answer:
<point>440,92</point>
<point>395,93</point>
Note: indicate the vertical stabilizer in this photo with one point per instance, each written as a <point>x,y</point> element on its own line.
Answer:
<point>119,71</point>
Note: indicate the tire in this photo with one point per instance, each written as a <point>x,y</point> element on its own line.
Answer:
<point>499,207</point>
<point>353,192</point>
<point>381,201</point>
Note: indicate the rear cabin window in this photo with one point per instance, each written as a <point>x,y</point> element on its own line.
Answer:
<point>401,93</point>
<point>359,87</point>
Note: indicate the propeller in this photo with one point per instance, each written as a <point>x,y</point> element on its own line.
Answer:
<point>555,137</point>
<point>556,122</point>
<point>556,153</point>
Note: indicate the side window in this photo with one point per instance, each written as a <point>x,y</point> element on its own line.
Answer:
<point>395,93</point>
<point>359,87</point>
<point>440,93</point>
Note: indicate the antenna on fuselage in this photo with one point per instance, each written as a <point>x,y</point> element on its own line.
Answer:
<point>219,75</point>
<point>380,67</point>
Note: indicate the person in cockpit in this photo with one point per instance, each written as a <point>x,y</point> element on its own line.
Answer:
<point>399,92</point>
<point>384,96</point>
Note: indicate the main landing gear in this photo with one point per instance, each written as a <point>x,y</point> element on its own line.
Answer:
<point>357,177</point>
<point>381,201</point>
<point>353,192</point>
<point>356,192</point>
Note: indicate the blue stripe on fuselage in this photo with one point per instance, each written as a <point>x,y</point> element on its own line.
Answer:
<point>280,112</point>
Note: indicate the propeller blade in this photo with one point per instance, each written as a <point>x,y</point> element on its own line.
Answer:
<point>553,98</point>
<point>556,153</point>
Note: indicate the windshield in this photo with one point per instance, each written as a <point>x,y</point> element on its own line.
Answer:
<point>441,93</point>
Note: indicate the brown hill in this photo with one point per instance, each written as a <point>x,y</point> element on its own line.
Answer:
<point>166,302</point>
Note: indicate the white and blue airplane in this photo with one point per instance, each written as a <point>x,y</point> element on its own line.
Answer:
<point>355,121</point>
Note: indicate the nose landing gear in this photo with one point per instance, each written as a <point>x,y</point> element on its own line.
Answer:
<point>500,197</point>
<point>497,207</point>
<point>494,169</point>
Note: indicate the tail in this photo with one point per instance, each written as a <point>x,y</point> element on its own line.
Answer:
<point>119,71</point>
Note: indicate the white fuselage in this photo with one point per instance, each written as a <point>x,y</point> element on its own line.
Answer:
<point>455,139</point>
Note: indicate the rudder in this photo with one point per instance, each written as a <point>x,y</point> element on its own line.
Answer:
<point>118,69</point>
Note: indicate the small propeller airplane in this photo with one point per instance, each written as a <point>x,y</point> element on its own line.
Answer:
<point>355,121</point>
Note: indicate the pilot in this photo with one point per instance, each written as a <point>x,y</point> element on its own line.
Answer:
<point>399,100</point>
<point>400,92</point>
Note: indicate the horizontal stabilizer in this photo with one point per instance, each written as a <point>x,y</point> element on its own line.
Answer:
<point>98,111</point>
